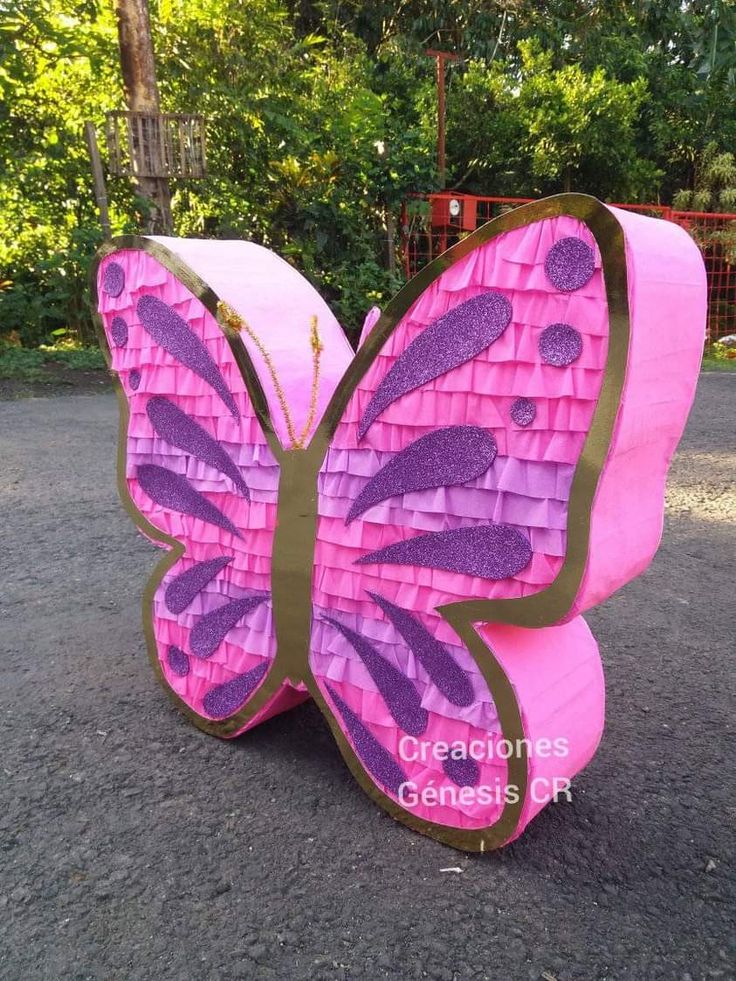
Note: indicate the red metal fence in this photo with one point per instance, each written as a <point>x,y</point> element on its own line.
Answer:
<point>432,223</point>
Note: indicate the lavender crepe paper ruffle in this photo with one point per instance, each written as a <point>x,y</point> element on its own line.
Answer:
<point>534,496</point>
<point>443,510</point>
<point>348,473</point>
<point>225,699</point>
<point>209,600</point>
<point>171,490</point>
<point>487,551</point>
<point>240,644</point>
<point>452,455</point>
<point>209,632</point>
<point>168,329</point>
<point>341,664</point>
<point>455,338</point>
<point>247,575</point>
<point>175,426</point>
<point>481,716</point>
<point>201,475</point>
<point>245,455</point>
<point>375,758</point>
<point>400,696</point>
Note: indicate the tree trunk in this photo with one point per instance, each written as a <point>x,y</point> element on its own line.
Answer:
<point>141,95</point>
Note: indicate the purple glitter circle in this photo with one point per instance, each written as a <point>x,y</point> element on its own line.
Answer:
<point>119,331</point>
<point>570,263</point>
<point>523,412</point>
<point>134,379</point>
<point>560,345</point>
<point>113,281</point>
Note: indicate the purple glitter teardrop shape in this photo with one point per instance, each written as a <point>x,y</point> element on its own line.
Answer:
<point>570,264</point>
<point>209,632</point>
<point>174,425</point>
<point>173,333</point>
<point>463,772</point>
<point>560,345</point>
<point>488,551</point>
<point>375,758</point>
<point>227,698</point>
<point>448,456</point>
<point>442,668</point>
<point>173,491</point>
<point>119,332</point>
<point>178,661</point>
<point>113,280</point>
<point>523,412</point>
<point>134,379</point>
<point>397,691</point>
<point>449,341</point>
<point>181,591</point>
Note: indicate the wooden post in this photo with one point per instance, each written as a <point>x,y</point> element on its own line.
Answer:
<point>98,178</point>
<point>141,94</point>
<point>441,57</point>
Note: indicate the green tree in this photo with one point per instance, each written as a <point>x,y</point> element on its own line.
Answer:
<point>321,118</point>
<point>580,127</point>
<point>56,70</point>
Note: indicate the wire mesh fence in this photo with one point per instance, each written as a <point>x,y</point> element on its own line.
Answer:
<point>432,223</point>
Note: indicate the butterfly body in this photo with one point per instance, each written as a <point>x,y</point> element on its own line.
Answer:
<point>293,560</point>
<point>407,535</point>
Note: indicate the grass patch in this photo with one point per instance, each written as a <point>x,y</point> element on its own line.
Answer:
<point>32,364</point>
<point>718,357</point>
<point>719,364</point>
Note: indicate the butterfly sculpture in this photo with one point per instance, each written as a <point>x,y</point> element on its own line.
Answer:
<point>408,534</point>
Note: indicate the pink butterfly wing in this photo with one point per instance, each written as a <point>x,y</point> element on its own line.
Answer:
<point>197,467</point>
<point>449,478</point>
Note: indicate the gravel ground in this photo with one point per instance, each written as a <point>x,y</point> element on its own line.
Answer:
<point>136,847</point>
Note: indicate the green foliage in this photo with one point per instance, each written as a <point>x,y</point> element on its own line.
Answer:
<point>714,185</point>
<point>321,117</point>
<point>580,127</point>
<point>308,148</point>
<point>548,128</point>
